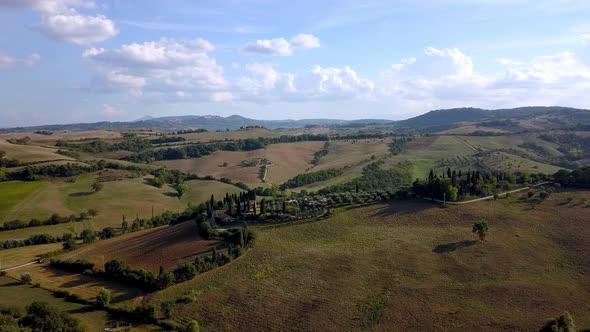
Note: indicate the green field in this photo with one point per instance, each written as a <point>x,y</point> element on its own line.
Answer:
<point>13,293</point>
<point>128,197</point>
<point>404,266</point>
<point>14,192</point>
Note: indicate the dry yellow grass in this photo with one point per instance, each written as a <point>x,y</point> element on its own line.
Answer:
<point>407,266</point>
<point>30,153</point>
<point>288,160</point>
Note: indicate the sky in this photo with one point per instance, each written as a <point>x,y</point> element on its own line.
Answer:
<point>66,61</point>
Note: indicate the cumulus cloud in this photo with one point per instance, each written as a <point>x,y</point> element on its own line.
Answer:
<point>7,61</point>
<point>263,82</point>
<point>446,78</point>
<point>78,29</point>
<point>61,21</point>
<point>164,66</point>
<point>434,63</point>
<point>281,46</point>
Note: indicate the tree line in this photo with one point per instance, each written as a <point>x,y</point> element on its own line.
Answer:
<point>456,184</point>
<point>33,173</point>
<point>55,219</point>
<point>204,149</point>
<point>312,177</point>
<point>374,178</point>
<point>237,239</point>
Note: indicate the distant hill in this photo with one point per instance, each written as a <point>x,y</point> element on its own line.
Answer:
<point>446,118</point>
<point>430,122</point>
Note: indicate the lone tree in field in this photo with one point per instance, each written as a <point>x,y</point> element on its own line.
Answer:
<point>181,189</point>
<point>565,323</point>
<point>97,186</point>
<point>26,278</point>
<point>481,229</point>
<point>103,299</point>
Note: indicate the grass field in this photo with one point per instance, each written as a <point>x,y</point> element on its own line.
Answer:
<point>405,266</point>
<point>14,192</point>
<point>130,197</point>
<point>165,246</point>
<point>30,153</point>
<point>288,160</point>
<point>86,287</point>
<point>23,255</point>
<point>345,153</point>
<point>15,294</point>
<point>201,190</point>
<point>424,152</point>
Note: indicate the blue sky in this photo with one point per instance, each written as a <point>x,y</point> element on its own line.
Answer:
<point>67,61</point>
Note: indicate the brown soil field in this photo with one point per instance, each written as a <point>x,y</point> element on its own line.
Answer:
<point>288,160</point>
<point>405,266</point>
<point>163,246</point>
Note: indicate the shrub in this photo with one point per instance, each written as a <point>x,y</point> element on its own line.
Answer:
<point>26,278</point>
<point>192,326</point>
<point>481,229</point>
<point>103,299</point>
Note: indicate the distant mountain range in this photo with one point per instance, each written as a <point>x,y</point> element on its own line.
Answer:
<point>434,119</point>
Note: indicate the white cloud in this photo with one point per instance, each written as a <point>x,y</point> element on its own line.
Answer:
<point>434,63</point>
<point>281,46</point>
<point>164,66</point>
<point>78,29</point>
<point>262,82</point>
<point>446,78</point>
<point>7,61</point>
<point>61,21</point>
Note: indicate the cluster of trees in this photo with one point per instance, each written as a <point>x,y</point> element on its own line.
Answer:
<point>375,178</point>
<point>33,173</point>
<point>39,316</point>
<point>190,131</point>
<point>5,162</point>
<point>167,139</point>
<point>237,203</point>
<point>575,178</point>
<point>308,178</point>
<point>131,143</point>
<point>574,147</point>
<point>321,153</point>
<point>454,185</point>
<point>55,219</point>
<point>398,144</point>
<point>32,240</point>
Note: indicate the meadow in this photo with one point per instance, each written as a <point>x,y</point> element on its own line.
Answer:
<point>31,153</point>
<point>405,266</point>
<point>129,197</point>
<point>13,293</point>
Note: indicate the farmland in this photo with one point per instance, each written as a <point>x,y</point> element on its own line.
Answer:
<point>288,160</point>
<point>30,153</point>
<point>409,265</point>
<point>165,246</point>
<point>345,245</point>
<point>15,294</point>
